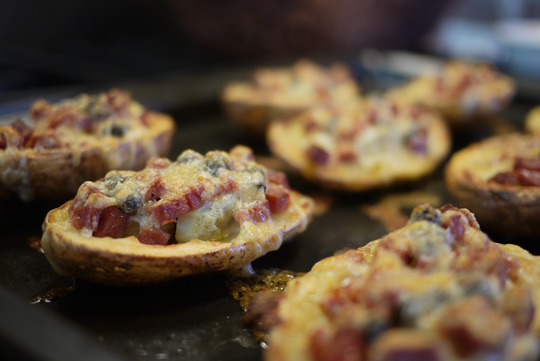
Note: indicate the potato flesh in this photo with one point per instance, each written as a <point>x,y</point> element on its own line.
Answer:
<point>212,222</point>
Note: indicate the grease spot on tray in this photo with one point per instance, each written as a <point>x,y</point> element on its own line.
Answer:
<point>274,280</point>
<point>53,294</point>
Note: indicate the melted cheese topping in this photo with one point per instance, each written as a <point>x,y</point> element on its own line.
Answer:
<point>481,161</point>
<point>377,133</point>
<point>439,282</point>
<point>89,134</point>
<point>460,89</point>
<point>301,85</point>
<point>109,125</point>
<point>226,185</point>
<point>367,144</point>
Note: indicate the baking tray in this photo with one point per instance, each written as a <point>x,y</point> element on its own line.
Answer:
<point>195,318</point>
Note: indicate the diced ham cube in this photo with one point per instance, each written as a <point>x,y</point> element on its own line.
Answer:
<point>406,345</point>
<point>473,326</point>
<point>532,164</point>
<point>40,109</point>
<point>508,178</point>
<point>155,191</point>
<point>278,198</point>
<point>168,211</point>
<point>256,214</point>
<point>154,236</point>
<point>346,344</point>
<point>112,223</point>
<point>317,155</point>
<point>194,197</point>
<point>276,177</point>
<point>529,178</point>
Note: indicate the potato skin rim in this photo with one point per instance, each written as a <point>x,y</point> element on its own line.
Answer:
<point>125,261</point>
<point>505,209</point>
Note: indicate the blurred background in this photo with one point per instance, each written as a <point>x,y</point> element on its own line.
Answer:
<point>176,54</point>
<point>60,43</point>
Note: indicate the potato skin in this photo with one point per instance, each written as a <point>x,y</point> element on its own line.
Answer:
<point>283,141</point>
<point>126,261</point>
<point>325,302</point>
<point>463,106</point>
<point>532,121</point>
<point>510,210</point>
<point>502,210</point>
<point>283,92</point>
<point>56,174</point>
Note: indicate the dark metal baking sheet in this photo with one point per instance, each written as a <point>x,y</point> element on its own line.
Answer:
<point>188,319</point>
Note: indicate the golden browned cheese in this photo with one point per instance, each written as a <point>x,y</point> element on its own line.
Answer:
<point>199,214</point>
<point>275,93</point>
<point>79,139</point>
<point>370,144</point>
<point>436,289</point>
<point>501,207</point>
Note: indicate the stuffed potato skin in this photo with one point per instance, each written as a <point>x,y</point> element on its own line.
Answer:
<point>532,121</point>
<point>126,261</point>
<point>76,140</point>
<point>276,93</point>
<point>254,210</point>
<point>368,145</point>
<point>501,207</point>
<point>436,289</point>
<point>463,92</point>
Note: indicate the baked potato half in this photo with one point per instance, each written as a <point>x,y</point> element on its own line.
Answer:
<point>498,179</point>
<point>532,121</point>
<point>196,215</point>
<point>464,93</point>
<point>371,144</point>
<point>79,139</point>
<point>437,289</point>
<point>275,93</point>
